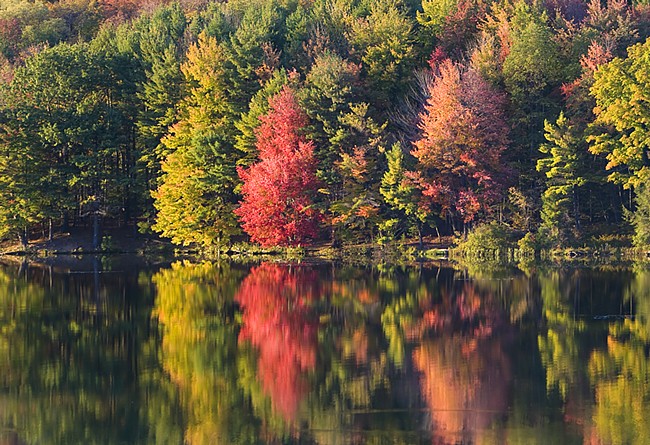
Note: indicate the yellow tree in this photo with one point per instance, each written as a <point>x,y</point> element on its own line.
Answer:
<point>622,92</point>
<point>195,198</point>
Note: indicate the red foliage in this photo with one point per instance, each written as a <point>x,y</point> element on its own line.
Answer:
<point>122,10</point>
<point>278,321</point>
<point>277,205</point>
<point>10,35</point>
<point>464,132</point>
<point>576,93</point>
<point>461,26</point>
<point>436,58</point>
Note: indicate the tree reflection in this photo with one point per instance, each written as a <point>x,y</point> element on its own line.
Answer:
<point>465,369</point>
<point>279,322</point>
<point>324,354</point>
<point>70,361</point>
<point>620,373</point>
<point>199,349</point>
<point>559,345</point>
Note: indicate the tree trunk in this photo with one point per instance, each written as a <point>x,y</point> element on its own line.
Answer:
<point>96,231</point>
<point>23,238</point>
<point>50,234</point>
<point>576,208</point>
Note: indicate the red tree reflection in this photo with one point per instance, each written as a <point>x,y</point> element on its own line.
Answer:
<point>466,372</point>
<point>278,321</point>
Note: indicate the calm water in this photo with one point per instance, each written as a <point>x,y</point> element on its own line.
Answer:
<point>286,354</point>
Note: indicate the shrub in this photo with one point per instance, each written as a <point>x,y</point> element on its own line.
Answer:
<point>492,241</point>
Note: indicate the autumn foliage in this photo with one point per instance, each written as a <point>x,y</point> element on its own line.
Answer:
<point>465,370</point>
<point>464,133</point>
<point>277,206</point>
<point>416,118</point>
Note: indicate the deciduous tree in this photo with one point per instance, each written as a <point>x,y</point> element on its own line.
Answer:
<point>622,92</point>
<point>196,196</point>
<point>464,133</point>
<point>277,208</point>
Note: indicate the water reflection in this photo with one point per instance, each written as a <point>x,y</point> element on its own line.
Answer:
<point>70,355</point>
<point>280,323</point>
<point>196,309</point>
<point>464,364</point>
<point>620,373</point>
<point>280,353</point>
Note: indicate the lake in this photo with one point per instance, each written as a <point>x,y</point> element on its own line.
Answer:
<point>324,354</point>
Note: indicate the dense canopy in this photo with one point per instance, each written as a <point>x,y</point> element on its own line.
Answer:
<point>288,122</point>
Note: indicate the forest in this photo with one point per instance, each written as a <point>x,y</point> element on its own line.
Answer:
<point>292,122</point>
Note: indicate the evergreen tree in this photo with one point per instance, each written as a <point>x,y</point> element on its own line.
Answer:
<point>252,49</point>
<point>246,139</point>
<point>563,170</point>
<point>402,195</point>
<point>331,87</point>
<point>159,40</point>
<point>72,107</point>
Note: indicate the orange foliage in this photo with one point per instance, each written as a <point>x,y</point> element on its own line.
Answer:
<point>466,393</point>
<point>465,374</point>
<point>464,133</point>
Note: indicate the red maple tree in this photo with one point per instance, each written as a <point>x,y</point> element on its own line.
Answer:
<point>277,208</point>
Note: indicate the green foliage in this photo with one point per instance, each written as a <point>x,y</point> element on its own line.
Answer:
<point>68,117</point>
<point>434,13</point>
<point>562,168</point>
<point>531,70</point>
<point>331,87</point>
<point>195,198</point>
<point>491,241</point>
<point>250,121</point>
<point>559,348</point>
<point>528,246</point>
<point>640,219</point>
<point>621,89</point>
<point>382,42</point>
<point>532,65</point>
<point>140,114</point>
<point>401,195</point>
<point>157,42</point>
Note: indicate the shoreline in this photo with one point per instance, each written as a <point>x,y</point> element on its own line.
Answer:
<point>74,249</point>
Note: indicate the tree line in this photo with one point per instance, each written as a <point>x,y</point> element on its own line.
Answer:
<point>288,122</point>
